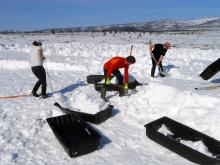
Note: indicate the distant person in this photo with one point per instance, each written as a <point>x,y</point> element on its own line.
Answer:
<point>37,68</point>
<point>157,52</point>
<point>112,67</point>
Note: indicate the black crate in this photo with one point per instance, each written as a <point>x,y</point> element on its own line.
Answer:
<point>97,118</point>
<point>211,70</point>
<point>183,132</point>
<point>76,136</point>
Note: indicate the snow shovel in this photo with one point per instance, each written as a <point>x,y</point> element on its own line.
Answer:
<point>162,74</point>
<point>131,50</point>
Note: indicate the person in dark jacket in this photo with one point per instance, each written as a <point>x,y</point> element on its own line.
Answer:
<point>157,52</point>
<point>36,62</point>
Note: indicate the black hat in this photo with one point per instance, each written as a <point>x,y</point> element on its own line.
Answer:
<point>131,59</point>
<point>35,43</point>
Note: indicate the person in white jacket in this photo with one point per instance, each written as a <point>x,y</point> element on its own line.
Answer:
<point>36,61</point>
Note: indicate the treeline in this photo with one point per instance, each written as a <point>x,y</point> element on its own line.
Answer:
<point>111,30</point>
<point>116,30</point>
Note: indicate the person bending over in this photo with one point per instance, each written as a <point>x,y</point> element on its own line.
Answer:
<point>112,67</point>
<point>157,52</point>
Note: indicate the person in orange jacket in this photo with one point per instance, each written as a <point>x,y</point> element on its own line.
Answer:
<point>112,67</point>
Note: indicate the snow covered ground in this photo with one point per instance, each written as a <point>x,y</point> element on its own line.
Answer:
<point>70,58</point>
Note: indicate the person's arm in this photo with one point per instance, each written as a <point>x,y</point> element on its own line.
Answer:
<point>151,48</point>
<point>40,51</point>
<point>126,75</point>
<point>109,71</point>
<point>160,59</point>
<point>108,76</point>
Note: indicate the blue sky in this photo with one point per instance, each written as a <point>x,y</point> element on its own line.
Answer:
<point>42,14</point>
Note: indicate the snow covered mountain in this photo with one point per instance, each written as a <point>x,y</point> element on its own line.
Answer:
<point>164,25</point>
<point>167,25</point>
<point>212,23</point>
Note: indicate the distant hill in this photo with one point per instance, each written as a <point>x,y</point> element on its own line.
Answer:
<point>152,26</point>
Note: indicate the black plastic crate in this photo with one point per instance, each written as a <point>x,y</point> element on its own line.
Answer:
<point>76,136</point>
<point>97,118</point>
<point>211,70</point>
<point>180,131</point>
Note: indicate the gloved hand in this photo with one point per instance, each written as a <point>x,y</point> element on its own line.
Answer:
<point>125,85</point>
<point>108,81</point>
<point>126,89</point>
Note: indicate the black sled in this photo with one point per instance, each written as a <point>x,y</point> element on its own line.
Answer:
<point>97,118</point>
<point>93,79</point>
<point>101,87</point>
<point>75,135</point>
<point>182,132</point>
<point>211,70</point>
<point>116,87</point>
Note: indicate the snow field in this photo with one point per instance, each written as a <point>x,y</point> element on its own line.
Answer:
<point>26,140</point>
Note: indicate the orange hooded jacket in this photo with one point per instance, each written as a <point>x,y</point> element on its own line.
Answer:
<point>116,63</point>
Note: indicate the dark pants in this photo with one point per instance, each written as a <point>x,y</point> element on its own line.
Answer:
<point>154,64</point>
<point>40,73</point>
<point>115,73</point>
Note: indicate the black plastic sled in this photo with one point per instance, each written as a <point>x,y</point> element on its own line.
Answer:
<point>182,132</point>
<point>116,87</point>
<point>93,79</point>
<point>211,70</point>
<point>97,118</point>
<point>110,87</point>
<point>76,136</point>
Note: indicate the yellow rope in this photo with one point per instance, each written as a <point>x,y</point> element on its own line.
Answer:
<point>14,96</point>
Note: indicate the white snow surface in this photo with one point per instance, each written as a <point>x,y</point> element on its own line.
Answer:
<point>197,145</point>
<point>24,139</point>
<point>164,130</point>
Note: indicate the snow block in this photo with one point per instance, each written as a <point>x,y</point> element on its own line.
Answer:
<point>93,79</point>
<point>211,70</point>
<point>97,118</point>
<point>182,132</point>
<point>76,136</point>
